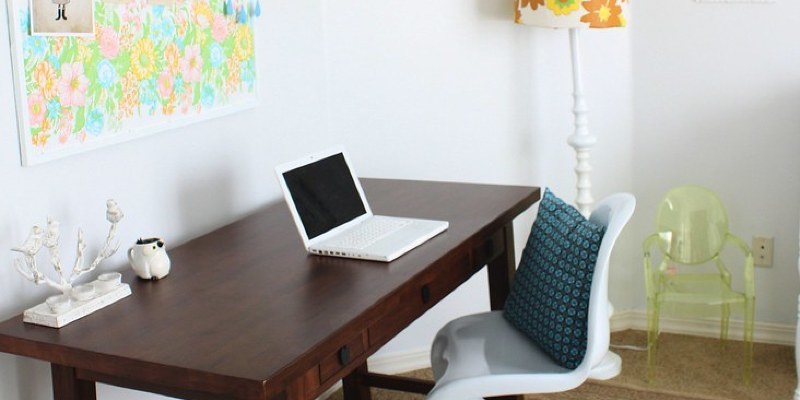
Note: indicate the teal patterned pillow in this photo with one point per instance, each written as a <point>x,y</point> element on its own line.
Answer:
<point>549,299</point>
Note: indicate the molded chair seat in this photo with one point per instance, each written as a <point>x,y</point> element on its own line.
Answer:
<point>706,289</point>
<point>692,231</point>
<point>484,350</point>
<point>483,355</point>
<point>488,347</point>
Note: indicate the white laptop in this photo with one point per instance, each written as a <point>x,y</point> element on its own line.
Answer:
<point>333,217</point>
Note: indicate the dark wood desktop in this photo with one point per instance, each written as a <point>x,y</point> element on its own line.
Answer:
<point>247,314</point>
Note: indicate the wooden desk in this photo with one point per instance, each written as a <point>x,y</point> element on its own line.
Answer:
<point>247,314</point>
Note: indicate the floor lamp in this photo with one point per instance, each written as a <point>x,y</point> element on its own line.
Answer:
<point>575,15</point>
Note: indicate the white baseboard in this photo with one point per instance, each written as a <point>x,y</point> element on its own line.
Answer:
<point>398,363</point>
<point>763,332</point>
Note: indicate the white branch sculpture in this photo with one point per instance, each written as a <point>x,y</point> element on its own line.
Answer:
<point>49,238</point>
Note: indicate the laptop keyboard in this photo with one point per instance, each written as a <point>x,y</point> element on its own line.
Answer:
<point>369,232</point>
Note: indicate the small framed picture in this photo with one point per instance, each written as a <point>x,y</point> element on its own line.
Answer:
<point>62,17</point>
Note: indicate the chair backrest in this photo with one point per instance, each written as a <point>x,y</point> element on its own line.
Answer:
<point>613,212</point>
<point>691,224</point>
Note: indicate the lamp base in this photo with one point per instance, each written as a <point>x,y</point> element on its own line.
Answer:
<point>609,367</point>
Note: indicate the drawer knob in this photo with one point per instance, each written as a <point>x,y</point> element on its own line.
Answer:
<point>426,294</point>
<point>344,355</point>
<point>488,248</point>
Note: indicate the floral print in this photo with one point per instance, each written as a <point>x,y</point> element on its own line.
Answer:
<point>534,4</point>
<point>144,61</point>
<point>518,4</point>
<point>563,7</point>
<point>106,74</point>
<point>192,64</point>
<point>108,40</point>
<point>36,109</point>
<point>603,14</point>
<point>45,76</point>
<point>571,13</point>
<point>72,85</point>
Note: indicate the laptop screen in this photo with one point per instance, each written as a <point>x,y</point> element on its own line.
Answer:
<point>324,194</point>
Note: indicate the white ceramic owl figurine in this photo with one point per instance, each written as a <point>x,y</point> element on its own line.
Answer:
<point>149,259</point>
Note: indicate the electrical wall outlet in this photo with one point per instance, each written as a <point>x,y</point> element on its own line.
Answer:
<point>762,251</point>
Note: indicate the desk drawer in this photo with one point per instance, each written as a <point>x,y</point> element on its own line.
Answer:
<point>405,309</point>
<point>489,249</point>
<point>342,357</point>
<point>445,281</point>
<point>426,291</point>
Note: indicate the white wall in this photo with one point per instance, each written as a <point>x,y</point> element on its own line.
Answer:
<point>452,90</point>
<point>717,103</point>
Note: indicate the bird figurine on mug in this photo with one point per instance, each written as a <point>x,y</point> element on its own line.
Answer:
<point>149,259</point>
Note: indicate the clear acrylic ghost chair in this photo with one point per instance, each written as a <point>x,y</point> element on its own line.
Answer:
<point>483,355</point>
<point>691,233</point>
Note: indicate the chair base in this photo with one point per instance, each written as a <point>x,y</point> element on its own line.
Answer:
<point>609,367</point>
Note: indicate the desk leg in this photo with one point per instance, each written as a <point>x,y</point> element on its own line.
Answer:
<point>67,386</point>
<point>502,270</point>
<point>354,386</point>
<point>501,274</point>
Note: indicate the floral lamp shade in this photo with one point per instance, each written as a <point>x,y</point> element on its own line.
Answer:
<point>571,13</point>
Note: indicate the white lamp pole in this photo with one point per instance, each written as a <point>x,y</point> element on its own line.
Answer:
<point>581,140</point>
<point>575,15</point>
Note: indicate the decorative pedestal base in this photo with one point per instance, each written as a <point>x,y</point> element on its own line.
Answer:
<point>44,315</point>
<point>608,368</point>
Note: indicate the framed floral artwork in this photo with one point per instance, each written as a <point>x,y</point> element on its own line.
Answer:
<point>149,67</point>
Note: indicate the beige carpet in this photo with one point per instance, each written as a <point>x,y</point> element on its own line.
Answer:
<point>688,368</point>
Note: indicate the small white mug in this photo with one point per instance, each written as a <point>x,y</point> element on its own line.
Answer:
<point>149,259</point>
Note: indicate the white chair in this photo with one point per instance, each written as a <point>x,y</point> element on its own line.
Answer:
<point>483,355</point>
